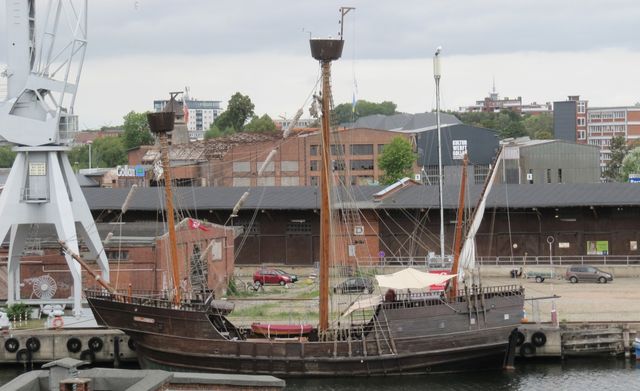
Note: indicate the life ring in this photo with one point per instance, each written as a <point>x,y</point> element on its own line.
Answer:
<point>95,344</point>
<point>132,345</point>
<point>88,355</point>
<point>57,322</point>
<point>527,350</point>
<point>74,345</point>
<point>538,339</point>
<point>519,338</point>
<point>12,345</point>
<point>32,344</point>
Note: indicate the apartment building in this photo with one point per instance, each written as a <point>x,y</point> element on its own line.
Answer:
<point>198,114</point>
<point>575,121</point>
<point>604,123</point>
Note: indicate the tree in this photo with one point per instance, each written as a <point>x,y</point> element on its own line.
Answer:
<point>239,109</point>
<point>79,156</point>
<point>136,130</point>
<point>260,124</point>
<point>543,135</point>
<point>108,152</point>
<point>396,160</point>
<point>215,132</point>
<point>508,123</point>
<point>631,164</point>
<point>105,152</point>
<point>7,156</point>
<point>344,113</point>
<point>539,126</point>
<point>618,151</point>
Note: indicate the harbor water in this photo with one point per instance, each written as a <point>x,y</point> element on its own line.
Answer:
<point>554,375</point>
<point>576,374</point>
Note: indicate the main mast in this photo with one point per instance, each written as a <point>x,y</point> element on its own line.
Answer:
<point>161,123</point>
<point>325,51</point>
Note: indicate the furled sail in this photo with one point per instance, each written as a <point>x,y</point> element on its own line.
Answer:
<point>468,252</point>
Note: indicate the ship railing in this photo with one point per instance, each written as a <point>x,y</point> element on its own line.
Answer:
<point>144,298</point>
<point>431,299</point>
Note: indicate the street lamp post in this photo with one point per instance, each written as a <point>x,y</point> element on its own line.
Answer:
<point>89,142</point>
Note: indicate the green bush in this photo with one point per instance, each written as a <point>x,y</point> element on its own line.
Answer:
<point>18,310</point>
<point>232,288</point>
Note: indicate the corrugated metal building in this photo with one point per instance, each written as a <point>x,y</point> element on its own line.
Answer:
<point>549,161</point>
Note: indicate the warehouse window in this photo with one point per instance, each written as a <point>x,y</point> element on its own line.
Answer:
<point>117,255</point>
<point>559,175</point>
<point>362,149</point>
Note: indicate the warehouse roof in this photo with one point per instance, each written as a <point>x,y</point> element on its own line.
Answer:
<point>297,198</point>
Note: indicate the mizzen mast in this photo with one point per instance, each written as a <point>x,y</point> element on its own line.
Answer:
<point>161,123</point>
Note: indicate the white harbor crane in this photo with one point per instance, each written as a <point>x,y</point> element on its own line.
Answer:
<point>44,63</point>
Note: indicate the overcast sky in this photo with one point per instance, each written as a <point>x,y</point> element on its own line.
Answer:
<point>541,50</point>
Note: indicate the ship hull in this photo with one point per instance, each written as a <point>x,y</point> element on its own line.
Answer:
<point>285,360</point>
<point>407,337</point>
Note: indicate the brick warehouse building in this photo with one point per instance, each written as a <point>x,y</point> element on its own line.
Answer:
<point>285,227</point>
<point>234,161</point>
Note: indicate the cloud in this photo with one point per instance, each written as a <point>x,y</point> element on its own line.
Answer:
<point>280,84</point>
<point>541,50</point>
<point>406,29</point>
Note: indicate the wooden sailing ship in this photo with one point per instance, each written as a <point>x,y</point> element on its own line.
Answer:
<point>469,328</point>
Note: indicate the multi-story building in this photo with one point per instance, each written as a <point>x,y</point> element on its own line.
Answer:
<point>570,119</point>
<point>604,123</point>
<point>575,121</point>
<point>493,104</point>
<point>199,114</point>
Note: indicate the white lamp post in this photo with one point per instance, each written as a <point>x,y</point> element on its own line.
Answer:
<point>436,76</point>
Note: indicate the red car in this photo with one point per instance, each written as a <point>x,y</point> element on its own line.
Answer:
<point>271,277</point>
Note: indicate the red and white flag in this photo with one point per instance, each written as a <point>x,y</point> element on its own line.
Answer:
<point>195,224</point>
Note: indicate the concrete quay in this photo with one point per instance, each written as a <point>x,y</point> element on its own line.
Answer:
<point>64,374</point>
<point>93,345</point>
<point>593,318</point>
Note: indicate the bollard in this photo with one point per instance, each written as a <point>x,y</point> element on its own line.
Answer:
<point>554,314</point>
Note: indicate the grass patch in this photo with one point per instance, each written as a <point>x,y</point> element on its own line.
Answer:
<point>255,311</point>
<point>309,294</point>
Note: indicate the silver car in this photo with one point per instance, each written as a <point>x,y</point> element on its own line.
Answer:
<point>579,273</point>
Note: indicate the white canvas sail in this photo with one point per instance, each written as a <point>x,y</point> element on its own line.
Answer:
<point>468,252</point>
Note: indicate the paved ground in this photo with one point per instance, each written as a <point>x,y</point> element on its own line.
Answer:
<point>615,301</point>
